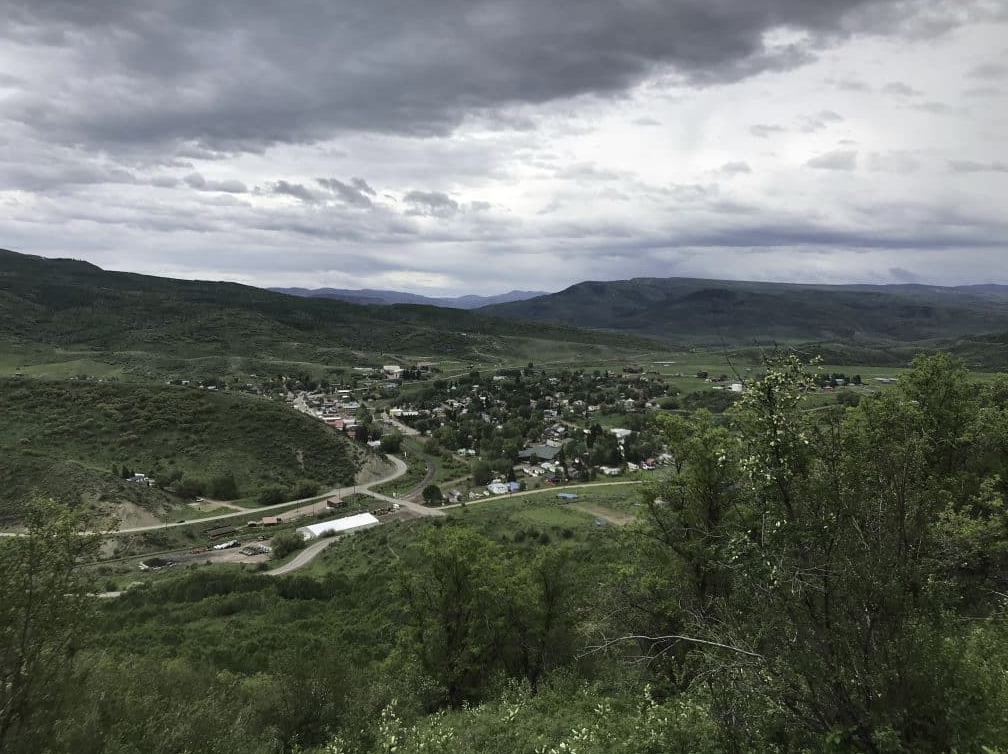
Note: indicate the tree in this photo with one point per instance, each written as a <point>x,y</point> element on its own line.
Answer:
<point>452,586</point>
<point>224,487</point>
<point>481,473</point>
<point>432,495</point>
<point>272,495</point>
<point>392,442</point>
<point>813,592</point>
<point>285,542</point>
<point>44,604</point>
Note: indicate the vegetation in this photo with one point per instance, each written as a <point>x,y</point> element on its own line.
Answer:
<point>809,574</point>
<point>73,440</point>
<point>156,326</point>
<point>709,311</point>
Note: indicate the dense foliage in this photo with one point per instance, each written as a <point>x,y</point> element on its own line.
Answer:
<point>73,441</point>
<point>817,581</point>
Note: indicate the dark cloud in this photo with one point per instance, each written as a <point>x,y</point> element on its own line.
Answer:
<point>231,76</point>
<point>297,190</point>
<point>970,166</point>
<point>354,194</point>
<point>430,203</point>
<point>839,159</point>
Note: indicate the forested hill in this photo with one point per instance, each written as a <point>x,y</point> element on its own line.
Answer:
<point>709,310</point>
<point>73,304</point>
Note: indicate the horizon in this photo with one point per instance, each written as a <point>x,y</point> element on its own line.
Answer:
<point>446,148</point>
<point>283,289</point>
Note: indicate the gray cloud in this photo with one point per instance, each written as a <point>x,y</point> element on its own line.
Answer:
<point>355,194</point>
<point>382,66</point>
<point>971,166</point>
<point>764,130</point>
<point>821,120</point>
<point>899,89</point>
<point>297,190</point>
<point>735,168</point>
<point>892,162</point>
<point>988,71</point>
<point>199,183</point>
<point>430,203</point>
<point>839,159</point>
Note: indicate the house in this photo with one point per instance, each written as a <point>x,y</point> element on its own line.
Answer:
<point>141,479</point>
<point>498,488</point>
<point>393,371</point>
<point>611,470</point>
<point>542,452</point>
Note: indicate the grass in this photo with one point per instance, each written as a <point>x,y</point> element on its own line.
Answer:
<point>62,439</point>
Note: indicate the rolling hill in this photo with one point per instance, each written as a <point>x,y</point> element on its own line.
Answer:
<point>148,325</point>
<point>370,296</point>
<point>707,311</point>
<point>62,439</point>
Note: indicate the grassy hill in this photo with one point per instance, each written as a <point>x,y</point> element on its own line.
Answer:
<point>137,321</point>
<point>62,439</point>
<point>707,311</point>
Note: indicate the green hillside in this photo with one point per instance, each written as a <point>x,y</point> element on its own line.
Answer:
<point>136,322</point>
<point>707,311</point>
<point>63,439</point>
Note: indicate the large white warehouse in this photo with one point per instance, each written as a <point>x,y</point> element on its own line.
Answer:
<point>339,525</point>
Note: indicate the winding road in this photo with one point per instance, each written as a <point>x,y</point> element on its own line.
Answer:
<point>310,502</point>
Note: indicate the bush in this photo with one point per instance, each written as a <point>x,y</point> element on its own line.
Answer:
<point>286,542</point>
<point>272,495</point>
<point>432,495</point>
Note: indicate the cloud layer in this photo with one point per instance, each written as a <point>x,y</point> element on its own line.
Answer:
<point>453,147</point>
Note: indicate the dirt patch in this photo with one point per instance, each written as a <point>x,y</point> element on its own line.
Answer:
<point>374,468</point>
<point>130,515</point>
<point>609,515</point>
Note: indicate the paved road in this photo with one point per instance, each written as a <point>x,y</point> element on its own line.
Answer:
<point>309,502</point>
<point>303,558</point>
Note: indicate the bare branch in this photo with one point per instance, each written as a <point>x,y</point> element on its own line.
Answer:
<point>666,638</point>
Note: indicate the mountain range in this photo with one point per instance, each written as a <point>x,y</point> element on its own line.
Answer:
<point>704,311</point>
<point>371,296</point>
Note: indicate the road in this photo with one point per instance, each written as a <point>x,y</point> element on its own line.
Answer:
<point>303,558</point>
<point>309,502</point>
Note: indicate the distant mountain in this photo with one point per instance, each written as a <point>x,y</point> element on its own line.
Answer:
<point>375,297</point>
<point>707,311</point>
<point>143,320</point>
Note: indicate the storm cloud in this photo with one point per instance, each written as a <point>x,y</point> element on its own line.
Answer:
<point>453,144</point>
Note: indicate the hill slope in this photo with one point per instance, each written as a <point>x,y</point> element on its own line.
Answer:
<point>371,296</point>
<point>63,438</point>
<point>75,305</point>
<point>707,310</point>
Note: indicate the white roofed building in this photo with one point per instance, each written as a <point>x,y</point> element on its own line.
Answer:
<point>344,525</point>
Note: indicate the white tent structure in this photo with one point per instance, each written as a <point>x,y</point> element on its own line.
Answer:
<point>339,526</point>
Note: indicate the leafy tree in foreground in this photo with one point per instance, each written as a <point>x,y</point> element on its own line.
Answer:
<point>799,566</point>
<point>43,607</point>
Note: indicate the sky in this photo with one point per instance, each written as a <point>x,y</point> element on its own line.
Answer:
<point>447,147</point>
